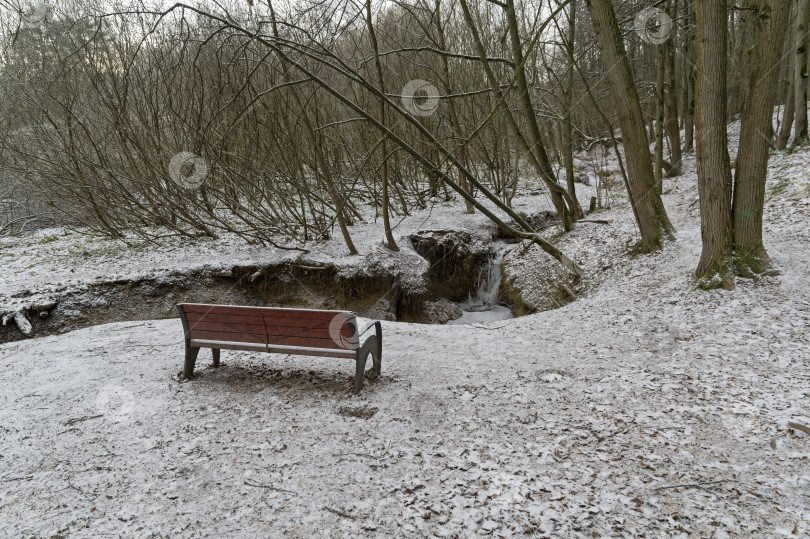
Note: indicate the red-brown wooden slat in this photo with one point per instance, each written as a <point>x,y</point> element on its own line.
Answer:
<point>275,327</point>
<point>230,337</point>
<point>301,332</point>
<point>227,318</point>
<point>278,312</point>
<point>308,330</point>
<point>270,320</point>
<point>229,345</point>
<point>254,329</point>
<point>311,333</point>
<point>311,316</point>
<point>306,324</point>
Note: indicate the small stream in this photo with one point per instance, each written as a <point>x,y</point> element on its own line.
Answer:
<point>483,306</point>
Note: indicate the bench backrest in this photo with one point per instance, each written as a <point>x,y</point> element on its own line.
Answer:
<point>270,326</point>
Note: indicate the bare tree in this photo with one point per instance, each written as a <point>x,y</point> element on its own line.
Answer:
<point>671,96</point>
<point>800,66</point>
<point>568,92</point>
<point>789,111</point>
<point>768,23</point>
<point>651,216</point>
<point>689,78</point>
<point>389,237</point>
<point>715,268</point>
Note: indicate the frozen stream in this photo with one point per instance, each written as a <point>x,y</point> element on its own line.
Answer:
<point>483,307</point>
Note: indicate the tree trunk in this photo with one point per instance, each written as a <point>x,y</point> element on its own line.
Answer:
<point>326,175</point>
<point>671,94</point>
<point>658,170</point>
<point>790,108</point>
<point>731,63</point>
<point>534,149</point>
<point>320,160</point>
<point>567,214</point>
<point>454,119</point>
<point>389,236</point>
<point>767,24</point>
<point>715,268</point>
<point>790,100</point>
<point>651,216</point>
<point>688,104</point>
<point>568,150</point>
<point>800,135</point>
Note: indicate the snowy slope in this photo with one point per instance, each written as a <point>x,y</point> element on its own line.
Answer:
<point>642,408</point>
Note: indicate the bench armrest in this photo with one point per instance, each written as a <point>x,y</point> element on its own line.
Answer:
<point>369,326</point>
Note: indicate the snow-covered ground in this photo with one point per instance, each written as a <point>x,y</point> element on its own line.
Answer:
<point>642,408</point>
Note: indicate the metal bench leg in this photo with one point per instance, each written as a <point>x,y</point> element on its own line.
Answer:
<point>191,359</point>
<point>215,351</point>
<point>378,350</point>
<point>362,356</point>
<point>371,347</point>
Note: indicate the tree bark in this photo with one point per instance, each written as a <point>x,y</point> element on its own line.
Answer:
<point>658,170</point>
<point>689,64</point>
<point>671,94</point>
<point>790,100</point>
<point>767,24</point>
<point>651,216</point>
<point>567,215</point>
<point>568,150</point>
<point>790,108</point>
<point>800,135</point>
<point>738,40</point>
<point>715,268</point>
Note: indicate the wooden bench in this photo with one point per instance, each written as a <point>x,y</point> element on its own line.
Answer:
<point>283,331</point>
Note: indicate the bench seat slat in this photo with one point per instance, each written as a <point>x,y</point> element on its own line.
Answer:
<point>322,352</point>
<point>306,342</point>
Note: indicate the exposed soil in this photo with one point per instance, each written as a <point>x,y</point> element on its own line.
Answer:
<point>451,261</point>
<point>455,261</point>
